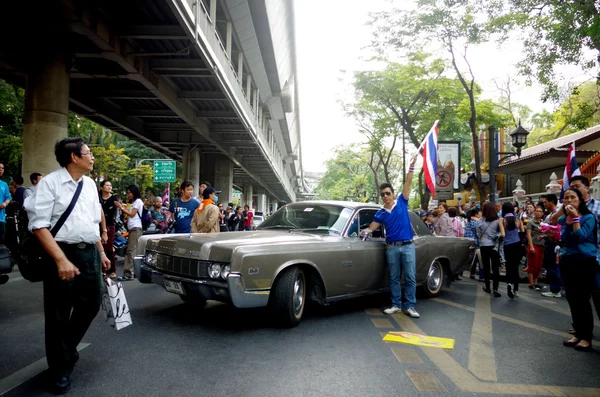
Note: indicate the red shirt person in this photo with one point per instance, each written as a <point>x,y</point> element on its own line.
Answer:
<point>248,215</point>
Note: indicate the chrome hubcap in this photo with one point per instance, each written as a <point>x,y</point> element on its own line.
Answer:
<point>298,294</point>
<point>434,277</point>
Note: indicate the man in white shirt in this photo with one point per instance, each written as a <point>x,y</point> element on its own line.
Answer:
<point>73,282</point>
<point>35,178</point>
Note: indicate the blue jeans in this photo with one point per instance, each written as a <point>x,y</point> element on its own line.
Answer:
<point>553,278</point>
<point>401,261</point>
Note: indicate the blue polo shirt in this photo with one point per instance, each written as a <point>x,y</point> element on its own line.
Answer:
<point>4,195</point>
<point>396,221</point>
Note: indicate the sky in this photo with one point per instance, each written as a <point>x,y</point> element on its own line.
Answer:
<point>331,42</point>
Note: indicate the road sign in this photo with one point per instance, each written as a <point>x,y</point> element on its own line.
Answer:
<point>164,171</point>
<point>444,189</point>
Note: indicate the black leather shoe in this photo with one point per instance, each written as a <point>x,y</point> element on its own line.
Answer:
<point>487,290</point>
<point>75,357</point>
<point>62,385</point>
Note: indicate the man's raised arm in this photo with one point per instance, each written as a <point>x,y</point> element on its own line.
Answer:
<point>409,177</point>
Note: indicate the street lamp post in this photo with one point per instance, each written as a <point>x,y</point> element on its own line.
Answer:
<point>518,138</point>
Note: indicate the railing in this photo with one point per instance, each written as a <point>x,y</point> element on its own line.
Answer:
<point>212,38</point>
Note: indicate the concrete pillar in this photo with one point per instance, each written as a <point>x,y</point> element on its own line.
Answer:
<point>274,203</point>
<point>213,12</point>
<point>248,192</point>
<point>223,179</point>
<point>195,169</point>
<point>261,203</point>
<point>249,88</point>
<point>240,68</point>
<point>46,113</point>
<point>228,34</point>
<point>185,163</point>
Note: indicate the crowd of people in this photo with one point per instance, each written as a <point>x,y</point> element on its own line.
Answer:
<point>561,238</point>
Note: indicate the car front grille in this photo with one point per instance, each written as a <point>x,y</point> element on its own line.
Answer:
<point>182,266</point>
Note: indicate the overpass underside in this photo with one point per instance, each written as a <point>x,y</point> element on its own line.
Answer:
<point>156,72</point>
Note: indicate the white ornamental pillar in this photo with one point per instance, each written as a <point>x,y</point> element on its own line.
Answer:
<point>553,186</point>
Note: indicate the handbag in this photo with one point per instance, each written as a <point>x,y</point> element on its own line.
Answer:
<point>33,259</point>
<point>114,305</point>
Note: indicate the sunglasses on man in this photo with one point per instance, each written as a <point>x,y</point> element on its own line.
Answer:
<point>383,194</point>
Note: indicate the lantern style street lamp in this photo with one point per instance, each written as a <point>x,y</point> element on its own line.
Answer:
<point>518,138</point>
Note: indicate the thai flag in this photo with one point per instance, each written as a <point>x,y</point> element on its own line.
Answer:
<point>571,169</point>
<point>166,194</point>
<point>429,153</point>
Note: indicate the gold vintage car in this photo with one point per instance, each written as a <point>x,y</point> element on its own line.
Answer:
<point>306,250</point>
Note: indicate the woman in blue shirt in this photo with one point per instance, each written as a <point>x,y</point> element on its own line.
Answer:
<point>513,249</point>
<point>577,261</point>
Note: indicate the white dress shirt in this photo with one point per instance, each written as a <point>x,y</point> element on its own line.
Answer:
<point>51,198</point>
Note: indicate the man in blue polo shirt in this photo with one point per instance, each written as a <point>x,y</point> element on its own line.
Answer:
<point>400,250</point>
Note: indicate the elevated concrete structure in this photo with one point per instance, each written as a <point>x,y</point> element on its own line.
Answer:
<point>193,79</point>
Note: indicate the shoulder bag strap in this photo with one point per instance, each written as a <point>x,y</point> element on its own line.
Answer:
<point>65,215</point>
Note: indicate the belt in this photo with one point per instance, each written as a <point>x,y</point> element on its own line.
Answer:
<point>80,246</point>
<point>405,242</point>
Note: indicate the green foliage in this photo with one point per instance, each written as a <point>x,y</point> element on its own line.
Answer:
<point>144,175</point>
<point>554,32</point>
<point>12,101</point>
<point>110,162</point>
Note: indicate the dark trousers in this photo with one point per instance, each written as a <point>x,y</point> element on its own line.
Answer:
<point>2,232</point>
<point>553,278</point>
<point>109,248</point>
<point>579,277</point>
<point>596,293</point>
<point>490,257</point>
<point>70,306</point>
<point>513,254</point>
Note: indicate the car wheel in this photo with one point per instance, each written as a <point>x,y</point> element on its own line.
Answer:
<point>435,279</point>
<point>289,297</point>
<point>195,301</point>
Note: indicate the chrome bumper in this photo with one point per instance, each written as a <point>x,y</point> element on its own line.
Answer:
<point>232,292</point>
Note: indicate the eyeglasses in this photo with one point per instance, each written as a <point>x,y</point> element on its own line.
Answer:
<point>383,194</point>
<point>88,153</point>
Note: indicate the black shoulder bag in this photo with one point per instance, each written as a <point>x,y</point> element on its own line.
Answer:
<point>34,260</point>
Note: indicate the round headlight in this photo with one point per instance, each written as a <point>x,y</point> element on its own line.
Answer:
<point>226,270</point>
<point>151,258</point>
<point>214,270</point>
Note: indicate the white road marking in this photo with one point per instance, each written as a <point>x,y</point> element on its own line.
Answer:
<point>24,374</point>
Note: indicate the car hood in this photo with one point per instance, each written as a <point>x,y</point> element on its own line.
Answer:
<point>219,246</point>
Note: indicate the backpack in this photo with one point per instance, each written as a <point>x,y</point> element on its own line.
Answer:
<point>146,218</point>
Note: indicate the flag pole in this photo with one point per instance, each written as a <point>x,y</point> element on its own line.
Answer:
<point>426,136</point>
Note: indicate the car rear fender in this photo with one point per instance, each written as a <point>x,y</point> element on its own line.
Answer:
<point>314,278</point>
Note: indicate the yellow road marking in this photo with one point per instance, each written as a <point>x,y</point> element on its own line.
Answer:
<point>466,382</point>
<point>382,323</point>
<point>406,355</point>
<point>482,362</point>
<point>425,381</point>
<point>374,312</point>
<point>512,320</point>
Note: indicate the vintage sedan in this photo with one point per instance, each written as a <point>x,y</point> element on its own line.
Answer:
<point>305,251</point>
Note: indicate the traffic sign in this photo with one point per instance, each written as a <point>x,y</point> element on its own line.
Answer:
<point>165,171</point>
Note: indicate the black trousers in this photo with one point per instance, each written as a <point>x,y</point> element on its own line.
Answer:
<point>513,254</point>
<point>2,231</point>
<point>579,278</point>
<point>490,257</point>
<point>70,306</point>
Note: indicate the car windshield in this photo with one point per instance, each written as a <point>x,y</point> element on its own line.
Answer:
<point>308,217</point>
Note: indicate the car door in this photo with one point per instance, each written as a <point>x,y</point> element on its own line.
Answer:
<point>423,254</point>
<point>368,268</point>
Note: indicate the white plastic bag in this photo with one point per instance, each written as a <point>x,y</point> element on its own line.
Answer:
<point>114,305</point>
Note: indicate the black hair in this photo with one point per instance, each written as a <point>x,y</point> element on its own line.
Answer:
<point>246,206</point>
<point>237,208</point>
<point>185,185</point>
<point>452,212</point>
<point>135,191</point>
<point>552,198</point>
<point>18,179</point>
<point>509,208</point>
<point>34,176</point>
<point>207,192</point>
<point>581,178</point>
<point>205,183</point>
<point>472,212</point>
<point>65,148</point>
<point>104,182</point>
<point>582,209</point>
<point>385,186</point>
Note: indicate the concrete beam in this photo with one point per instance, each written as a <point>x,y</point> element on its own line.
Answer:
<point>162,113</point>
<point>202,95</point>
<point>196,65</point>
<point>228,128</point>
<point>169,126</point>
<point>125,94</point>
<point>153,32</point>
<point>217,115</point>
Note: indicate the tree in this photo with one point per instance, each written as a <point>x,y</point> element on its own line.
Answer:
<point>452,24</point>
<point>110,162</point>
<point>555,32</point>
<point>12,101</point>
<point>405,99</point>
